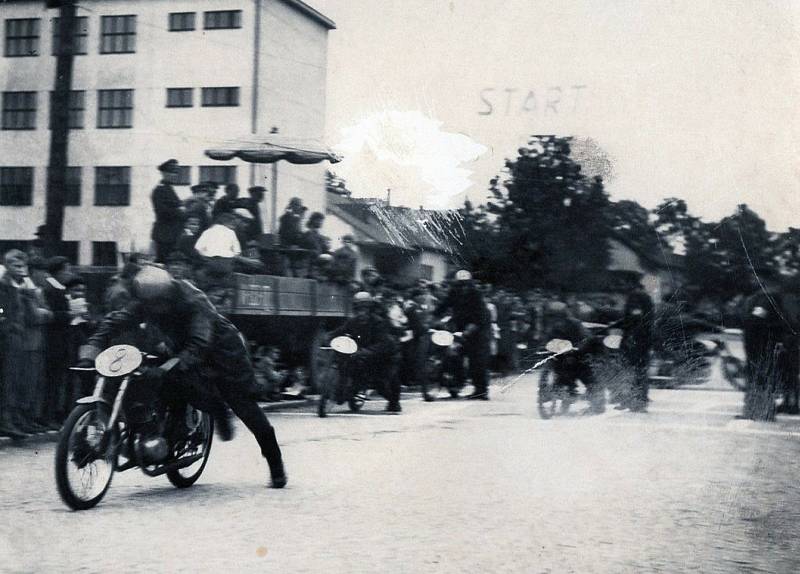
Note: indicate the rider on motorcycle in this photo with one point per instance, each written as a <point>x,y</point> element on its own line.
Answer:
<point>376,357</point>
<point>211,353</point>
<point>574,365</point>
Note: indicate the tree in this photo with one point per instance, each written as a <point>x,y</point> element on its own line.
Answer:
<point>553,223</point>
<point>631,222</point>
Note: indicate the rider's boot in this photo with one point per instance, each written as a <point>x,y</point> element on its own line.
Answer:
<point>224,424</point>
<point>277,475</point>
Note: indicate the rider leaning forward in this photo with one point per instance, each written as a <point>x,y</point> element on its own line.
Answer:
<point>211,351</point>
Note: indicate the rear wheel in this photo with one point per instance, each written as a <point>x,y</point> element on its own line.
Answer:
<point>196,442</point>
<point>85,456</point>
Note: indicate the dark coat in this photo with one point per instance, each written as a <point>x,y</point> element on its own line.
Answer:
<point>169,217</point>
<point>289,229</point>
<point>467,306</point>
<point>193,330</point>
<point>637,337</point>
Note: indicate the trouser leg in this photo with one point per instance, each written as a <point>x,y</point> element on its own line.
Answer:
<point>478,355</point>
<point>256,422</point>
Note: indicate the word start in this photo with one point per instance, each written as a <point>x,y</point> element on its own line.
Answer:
<point>516,101</point>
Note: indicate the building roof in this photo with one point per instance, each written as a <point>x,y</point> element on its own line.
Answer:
<point>376,223</point>
<point>311,13</point>
<point>664,259</point>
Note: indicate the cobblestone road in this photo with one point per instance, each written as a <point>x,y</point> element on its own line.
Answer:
<point>451,486</point>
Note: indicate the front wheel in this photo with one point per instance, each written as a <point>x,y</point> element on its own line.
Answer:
<point>85,456</point>
<point>198,440</point>
<point>733,370</point>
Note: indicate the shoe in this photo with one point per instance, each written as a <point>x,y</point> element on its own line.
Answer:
<point>390,408</point>
<point>224,426</point>
<point>620,407</point>
<point>278,478</point>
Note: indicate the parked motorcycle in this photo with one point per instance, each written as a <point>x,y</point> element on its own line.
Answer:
<point>100,436</point>
<point>334,385</point>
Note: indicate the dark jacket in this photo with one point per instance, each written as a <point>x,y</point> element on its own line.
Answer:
<point>372,334</point>
<point>193,331</point>
<point>467,306</point>
<point>289,229</point>
<point>637,337</point>
<point>169,217</point>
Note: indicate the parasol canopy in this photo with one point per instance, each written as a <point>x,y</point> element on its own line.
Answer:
<point>273,148</point>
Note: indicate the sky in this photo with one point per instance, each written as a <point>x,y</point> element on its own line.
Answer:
<point>690,100</point>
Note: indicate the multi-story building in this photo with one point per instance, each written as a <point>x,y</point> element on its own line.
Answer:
<point>153,80</point>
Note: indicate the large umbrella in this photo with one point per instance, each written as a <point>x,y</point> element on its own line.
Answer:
<point>272,149</point>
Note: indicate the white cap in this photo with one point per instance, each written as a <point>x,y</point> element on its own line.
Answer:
<point>362,297</point>
<point>463,275</point>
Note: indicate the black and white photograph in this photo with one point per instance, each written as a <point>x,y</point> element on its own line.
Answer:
<point>400,286</point>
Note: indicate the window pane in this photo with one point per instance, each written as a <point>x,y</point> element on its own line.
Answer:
<point>16,186</point>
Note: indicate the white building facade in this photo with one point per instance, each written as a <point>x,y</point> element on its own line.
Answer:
<point>155,79</point>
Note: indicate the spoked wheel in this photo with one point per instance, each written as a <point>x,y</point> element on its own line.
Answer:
<point>197,443</point>
<point>733,370</point>
<point>85,456</point>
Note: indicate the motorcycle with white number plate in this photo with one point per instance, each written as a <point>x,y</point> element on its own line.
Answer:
<point>100,438</point>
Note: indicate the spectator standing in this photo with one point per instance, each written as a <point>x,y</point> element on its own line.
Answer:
<point>252,204</point>
<point>197,207</point>
<point>291,236</point>
<point>345,261</point>
<point>23,357</point>
<point>168,210</point>
<point>56,331</point>
<point>637,341</point>
<point>228,202</point>
<point>315,242</point>
<point>771,345</point>
<point>79,330</point>
<point>419,322</point>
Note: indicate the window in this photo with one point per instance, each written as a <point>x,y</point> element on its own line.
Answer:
<point>179,97</point>
<point>77,105</point>
<point>181,21</point>
<point>19,110</point>
<point>219,174</point>
<point>184,175</point>
<point>16,186</point>
<point>80,36</point>
<point>218,97</point>
<point>426,272</point>
<point>222,19</point>
<point>104,253</point>
<point>114,108</point>
<point>22,37</point>
<point>112,186</point>
<point>72,187</point>
<point>118,35</point>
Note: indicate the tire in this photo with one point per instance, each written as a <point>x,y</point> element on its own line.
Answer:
<point>547,396</point>
<point>77,442</point>
<point>186,477</point>
<point>327,392</point>
<point>733,370</point>
<point>357,401</point>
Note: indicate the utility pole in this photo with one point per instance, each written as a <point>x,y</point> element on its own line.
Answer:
<point>59,133</point>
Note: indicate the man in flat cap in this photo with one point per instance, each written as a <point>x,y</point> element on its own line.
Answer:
<point>168,225</point>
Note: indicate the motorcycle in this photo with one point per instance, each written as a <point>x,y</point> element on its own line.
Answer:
<point>443,361</point>
<point>553,397</point>
<point>103,434</point>
<point>334,385</point>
